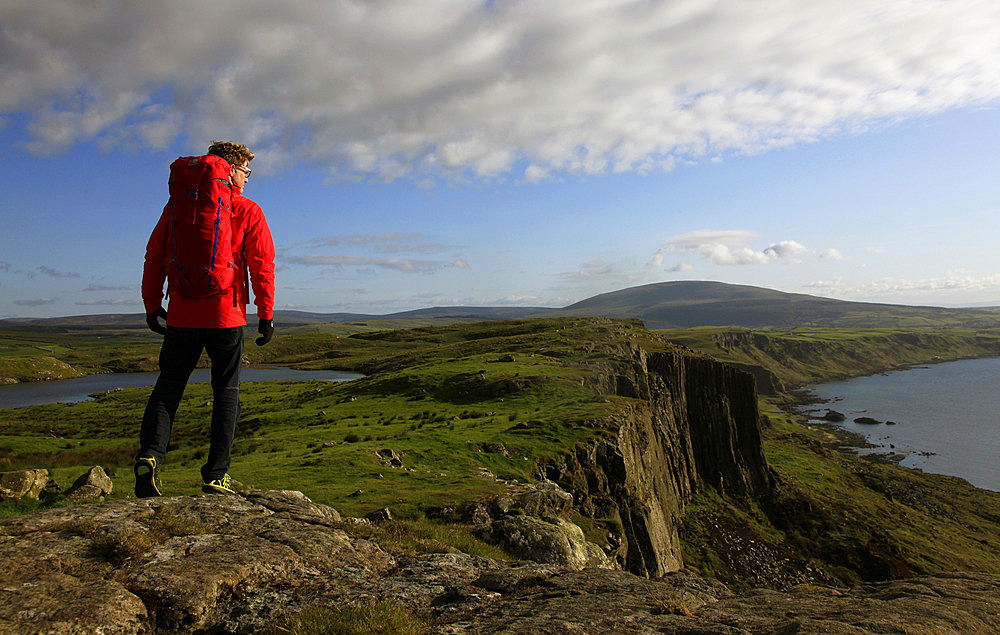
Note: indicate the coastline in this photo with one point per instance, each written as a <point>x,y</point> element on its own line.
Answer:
<point>937,420</point>
<point>847,440</point>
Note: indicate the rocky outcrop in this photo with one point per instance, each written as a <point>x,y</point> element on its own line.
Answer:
<point>595,601</point>
<point>692,422</point>
<point>546,540</point>
<point>173,563</point>
<point>23,484</point>
<point>254,562</point>
<point>95,484</point>
<point>530,522</point>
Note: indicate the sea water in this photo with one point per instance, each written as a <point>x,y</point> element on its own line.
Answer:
<point>947,416</point>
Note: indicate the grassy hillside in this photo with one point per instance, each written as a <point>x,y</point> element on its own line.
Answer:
<point>42,353</point>
<point>813,355</point>
<point>451,401</point>
<point>689,304</point>
<point>465,408</point>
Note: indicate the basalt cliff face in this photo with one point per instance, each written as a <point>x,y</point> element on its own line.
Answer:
<point>689,422</point>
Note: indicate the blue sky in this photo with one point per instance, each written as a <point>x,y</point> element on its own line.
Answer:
<point>510,153</point>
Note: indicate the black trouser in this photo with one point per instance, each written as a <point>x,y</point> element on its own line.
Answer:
<point>178,356</point>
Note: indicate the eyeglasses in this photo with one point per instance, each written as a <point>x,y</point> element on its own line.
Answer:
<point>244,170</point>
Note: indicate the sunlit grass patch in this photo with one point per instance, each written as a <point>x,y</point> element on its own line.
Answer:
<point>383,617</point>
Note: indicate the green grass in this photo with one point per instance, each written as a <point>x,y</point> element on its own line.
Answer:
<point>375,618</point>
<point>458,412</point>
<point>850,518</point>
<point>441,400</point>
<point>813,355</point>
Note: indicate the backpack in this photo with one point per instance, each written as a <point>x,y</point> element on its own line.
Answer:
<point>199,241</point>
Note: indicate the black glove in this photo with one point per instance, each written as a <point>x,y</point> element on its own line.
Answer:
<point>266,330</point>
<point>154,323</point>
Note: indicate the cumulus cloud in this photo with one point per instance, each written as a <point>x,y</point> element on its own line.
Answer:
<point>831,254</point>
<point>35,302</point>
<point>729,248</point>
<point>450,87</point>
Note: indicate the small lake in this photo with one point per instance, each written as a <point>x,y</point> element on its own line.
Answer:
<point>947,416</point>
<point>79,389</point>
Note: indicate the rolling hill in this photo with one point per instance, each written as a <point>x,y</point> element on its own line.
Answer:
<point>688,304</point>
<point>678,304</point>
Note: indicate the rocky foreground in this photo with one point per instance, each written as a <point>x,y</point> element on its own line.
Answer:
<point>250,563</point>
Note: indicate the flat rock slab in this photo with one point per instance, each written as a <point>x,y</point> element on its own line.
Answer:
<point>179,563</point>
<point>246,564</point>
<point>601,601</point>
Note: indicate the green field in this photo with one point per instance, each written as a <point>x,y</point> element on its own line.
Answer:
<point>469,408</point>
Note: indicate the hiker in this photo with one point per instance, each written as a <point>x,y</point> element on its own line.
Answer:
<point>210,317</point>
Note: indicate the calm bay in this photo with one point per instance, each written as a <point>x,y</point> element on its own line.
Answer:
<point>80,388</point>
<point>947,416</point>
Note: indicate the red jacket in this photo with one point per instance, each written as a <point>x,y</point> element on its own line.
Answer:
<point>253,250</point>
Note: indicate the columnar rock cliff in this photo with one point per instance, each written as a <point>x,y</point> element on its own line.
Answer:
<point>690,422</point>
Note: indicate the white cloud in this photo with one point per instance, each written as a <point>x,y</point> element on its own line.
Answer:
<point>449,87</point>
<point>890,288</point>
<point>730,248</point>
<point>831,254</point>
<point>369,239</point>
<point>682,266</point>
<point>103,287</point>
<point>600,271</point>
<point>35,302</point>
<point>52,273</point>
<point>784,249</point>
<point>385,243</point>
<point>406,265</point>
<point>108,302</point>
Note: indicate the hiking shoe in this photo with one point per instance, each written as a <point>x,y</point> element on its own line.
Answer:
<point>147,477</point>
<point>222,485</point>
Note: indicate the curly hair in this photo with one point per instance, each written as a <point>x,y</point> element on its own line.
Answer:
<point>234,153</point>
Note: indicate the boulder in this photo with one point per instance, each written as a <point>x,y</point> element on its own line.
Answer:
<point>22,484</point>
<point>380,515</point>
<point>555,541</point>
<point>390,457</point>
<point>547,500</point>
<point>833,415</point>
<point>95,484</point>
<point>868,421</point>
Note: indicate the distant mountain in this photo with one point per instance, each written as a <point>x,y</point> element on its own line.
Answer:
<point>661,305</point>
<point>692,303</point>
